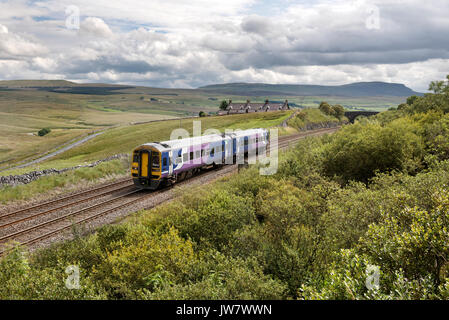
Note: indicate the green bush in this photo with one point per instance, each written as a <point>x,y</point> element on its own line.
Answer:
<point>43,132</point>
<point>357,152</point>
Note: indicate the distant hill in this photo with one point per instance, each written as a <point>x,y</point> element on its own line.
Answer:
<point>62,86</point>
<point>357,89</point>
<point>36,83</point>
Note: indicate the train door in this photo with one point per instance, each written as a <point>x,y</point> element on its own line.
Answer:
<point>223,151</point>
<point>165,163</point>
<point>170,162</point>
<point>144,163</point>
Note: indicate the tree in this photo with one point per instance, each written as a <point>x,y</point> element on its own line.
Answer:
<point>43,132</point>
<point>202,114</point>
<point>339,111</point>
<point>440,86</point>
<point>404,106</point>
<point>326,108</point>
<point>223,105</point>
<point>411,99</point>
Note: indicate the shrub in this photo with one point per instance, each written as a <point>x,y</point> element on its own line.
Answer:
<point>43,132</point>
<point>224,278</point>
<point>357,152</point>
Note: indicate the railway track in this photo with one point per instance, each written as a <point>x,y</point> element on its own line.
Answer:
<point>34,224</point>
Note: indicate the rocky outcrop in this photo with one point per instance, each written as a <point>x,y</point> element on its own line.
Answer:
<point>28,177</point>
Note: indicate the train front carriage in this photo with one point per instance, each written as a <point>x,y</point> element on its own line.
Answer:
<point>147,167</point>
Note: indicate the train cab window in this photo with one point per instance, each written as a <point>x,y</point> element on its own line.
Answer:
<point>136,157</point>
<point>185,157</point>
<point>155,161</point>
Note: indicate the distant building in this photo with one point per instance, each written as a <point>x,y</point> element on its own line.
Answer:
<point>248,107</point>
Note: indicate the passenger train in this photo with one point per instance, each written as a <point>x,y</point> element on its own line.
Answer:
<point>158,164</point>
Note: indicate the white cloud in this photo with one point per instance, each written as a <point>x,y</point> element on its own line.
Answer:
<point>93,26</point>
<point>3,29</point>
<point>14,46</point>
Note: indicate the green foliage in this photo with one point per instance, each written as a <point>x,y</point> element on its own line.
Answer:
<point>417,240</point>
<point>227,278</point>
<point>357,152</point>
<point>334,111</point>
<point>42,132</point>
<point>223,105</point>
<point>312,118</point>
<point>339,111</point>
<point>326,108</point>
<point>202,114</point>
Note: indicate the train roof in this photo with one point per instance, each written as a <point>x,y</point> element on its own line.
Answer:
<point>179,143</point>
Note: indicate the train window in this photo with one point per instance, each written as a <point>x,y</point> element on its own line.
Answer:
<point>257,139</point>
<point>197,153</point>
<point>185,157</point>
<point>191,155</point>
<point>212,152</point>
<point>202,153</point>
<point>164,162</point>
<point>136,157</point>
<point>241,142</point>
<point>178,160</point>
<point>155,162</point>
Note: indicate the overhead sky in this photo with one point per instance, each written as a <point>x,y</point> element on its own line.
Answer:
<point>190,43</point>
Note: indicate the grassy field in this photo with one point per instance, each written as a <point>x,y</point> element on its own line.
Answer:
<point>23,113</point>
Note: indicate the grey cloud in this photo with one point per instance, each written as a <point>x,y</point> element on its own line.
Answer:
<point>108,63</point>
<point>256,24</point>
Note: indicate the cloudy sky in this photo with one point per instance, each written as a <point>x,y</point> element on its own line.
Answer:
<point>189,43</point>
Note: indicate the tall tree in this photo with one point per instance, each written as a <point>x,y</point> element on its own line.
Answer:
<point>223,105</point>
